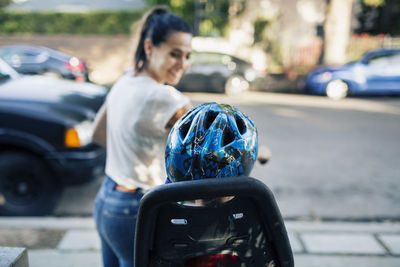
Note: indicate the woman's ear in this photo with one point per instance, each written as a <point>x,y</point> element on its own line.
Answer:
<point>148,47</point>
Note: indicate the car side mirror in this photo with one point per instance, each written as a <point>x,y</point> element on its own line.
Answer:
<point>4,77</point>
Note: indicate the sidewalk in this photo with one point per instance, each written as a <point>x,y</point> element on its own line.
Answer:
<point>74,242</point>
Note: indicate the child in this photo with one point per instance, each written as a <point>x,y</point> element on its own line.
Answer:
<point>211,141</point>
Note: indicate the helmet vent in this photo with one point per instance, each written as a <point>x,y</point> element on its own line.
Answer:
<point>240,124</point>
<point>184,129</point>
<point>210,117</point>
<point>227,136</point>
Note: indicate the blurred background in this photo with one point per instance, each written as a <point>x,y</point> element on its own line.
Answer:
<point>277,60</point>
<point>281,39</point>
<point>325,152</point>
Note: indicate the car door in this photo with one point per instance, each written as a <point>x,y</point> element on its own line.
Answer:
<point>195,78</point>
<point>207,73</point>
<point>383,73</point>
<point>12,57</point>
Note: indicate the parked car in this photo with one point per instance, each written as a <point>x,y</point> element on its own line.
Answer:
<point>30,59</point>
<point>376,73</point>
<point>45,140</point>
<point>218,73</point>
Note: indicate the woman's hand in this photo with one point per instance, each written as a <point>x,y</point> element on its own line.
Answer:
<point>264,154</point>
<point>100,127</point>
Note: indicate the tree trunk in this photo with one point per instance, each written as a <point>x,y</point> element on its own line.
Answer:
<point>337,31</point>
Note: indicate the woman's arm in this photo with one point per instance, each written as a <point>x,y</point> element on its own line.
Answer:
<point>179,113</point>
<point>100,126</point>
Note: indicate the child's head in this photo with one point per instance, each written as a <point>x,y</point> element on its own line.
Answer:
<point>211,141</point>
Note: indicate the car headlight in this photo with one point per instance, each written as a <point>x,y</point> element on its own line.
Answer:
<point>250,75</point>
<point>79,135</point>
<point>323,77</point>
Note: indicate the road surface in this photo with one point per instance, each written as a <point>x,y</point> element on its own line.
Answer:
<point>331,160</point>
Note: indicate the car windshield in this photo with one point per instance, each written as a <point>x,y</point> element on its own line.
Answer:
<point>6,72</point>
<point>385,59</point>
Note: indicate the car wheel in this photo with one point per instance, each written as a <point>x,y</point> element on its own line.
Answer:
<point>235,85</point>
<point>337,89</point>
<point>27,186</point>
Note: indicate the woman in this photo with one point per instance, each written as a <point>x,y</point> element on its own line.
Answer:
<point>139,112</point>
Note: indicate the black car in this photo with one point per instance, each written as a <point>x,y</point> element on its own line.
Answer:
<point>45,140</point>
<point>30,59</point>
<point>218,73</point>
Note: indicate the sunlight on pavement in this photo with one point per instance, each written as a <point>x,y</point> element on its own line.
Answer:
<point>290,113</point>
<point>298,100</point>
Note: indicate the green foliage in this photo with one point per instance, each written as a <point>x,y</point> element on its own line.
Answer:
<point>184,8</point>
<point>379,19</point>
<point>103,23</point>
<point>259,26</point>
<point>207,17</point>
<point>374,3</point>
<point>4,3</point>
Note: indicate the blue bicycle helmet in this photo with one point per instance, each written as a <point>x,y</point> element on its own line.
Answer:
<point>211,141</point>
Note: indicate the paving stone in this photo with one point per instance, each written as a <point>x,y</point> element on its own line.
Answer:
<point>13,256</point>
<point>47,222</point>
<point>355,227</point>
<point>314,260</point>
<point>80,240</point>
<point>31,238</point>
<point>57,258</point>
<point>341,243</point>
<point>392,242</point>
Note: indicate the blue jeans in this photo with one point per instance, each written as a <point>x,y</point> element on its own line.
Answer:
<point>115,216</point>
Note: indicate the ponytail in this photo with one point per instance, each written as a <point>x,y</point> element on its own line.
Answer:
<point>157,25</point>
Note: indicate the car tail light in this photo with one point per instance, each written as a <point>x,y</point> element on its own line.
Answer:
<point>79,78</point>
<point>212,260</point>
<point>75,64</point>
<point>259,69</point>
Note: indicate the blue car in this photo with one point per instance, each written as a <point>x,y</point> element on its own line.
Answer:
<point>376,73</point>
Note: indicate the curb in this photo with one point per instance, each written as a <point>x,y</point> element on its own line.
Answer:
<point>320,238</point>
<point>314,244</point>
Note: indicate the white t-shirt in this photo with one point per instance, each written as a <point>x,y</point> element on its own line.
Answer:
<point>138,109</point>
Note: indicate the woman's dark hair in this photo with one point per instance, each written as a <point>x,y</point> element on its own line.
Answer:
<point>158,24</point>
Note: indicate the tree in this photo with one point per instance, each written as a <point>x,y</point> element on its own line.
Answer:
<point>337,27</point>
<point>337,31</point>
<point>206,17</point>
<point>4,3</point>
<point>380,17</point>
<point>184,8</point>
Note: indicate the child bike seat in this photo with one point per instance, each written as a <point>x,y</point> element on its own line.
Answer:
<point>246,230</point>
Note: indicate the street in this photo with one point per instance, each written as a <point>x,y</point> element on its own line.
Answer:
<point>331,160</point>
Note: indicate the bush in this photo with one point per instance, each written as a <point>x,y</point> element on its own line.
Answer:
<point>102,23</point>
